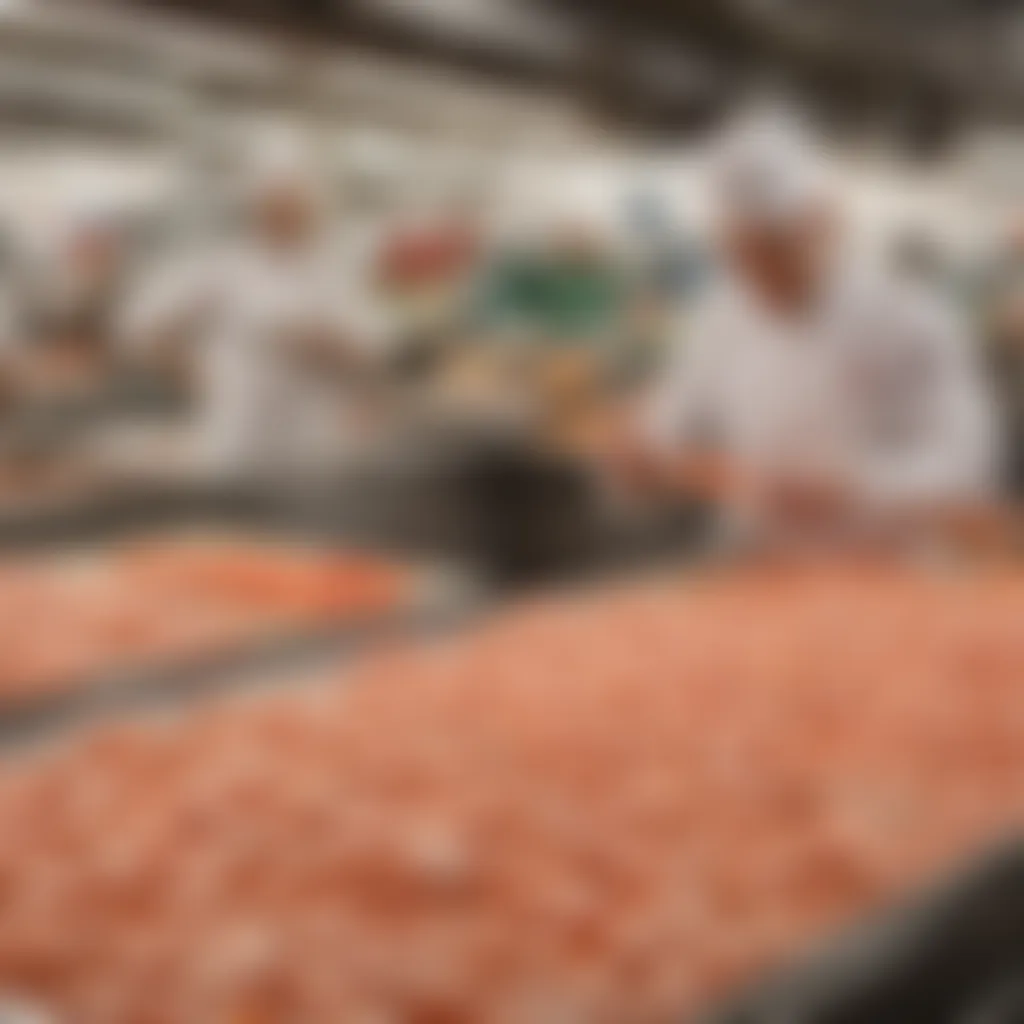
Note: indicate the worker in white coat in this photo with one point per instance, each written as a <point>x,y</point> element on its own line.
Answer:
<point>811,396</point>
<point>279,329</point>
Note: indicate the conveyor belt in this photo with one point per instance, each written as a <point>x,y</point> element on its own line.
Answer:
<point>271,662</point>
<point>953,956</point>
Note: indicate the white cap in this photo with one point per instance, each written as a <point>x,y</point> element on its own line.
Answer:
<point>767,174</point>
<point>279,160</point>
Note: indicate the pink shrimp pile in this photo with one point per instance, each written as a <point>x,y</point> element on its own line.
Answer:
<point>608,808</point>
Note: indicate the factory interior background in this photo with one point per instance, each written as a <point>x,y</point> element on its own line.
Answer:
<point>352,668</point>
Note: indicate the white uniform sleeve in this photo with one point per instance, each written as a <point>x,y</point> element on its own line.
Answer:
<point>954,456</point>
<point>164,300</point>
<point>685,404</point>
<point>355,314</point>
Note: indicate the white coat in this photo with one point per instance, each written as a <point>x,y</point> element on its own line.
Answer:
<point>877,388</point>
<point>265,406</point>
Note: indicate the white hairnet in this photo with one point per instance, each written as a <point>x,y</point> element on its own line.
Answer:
<point>281,160</point>
<point>767,174</point>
